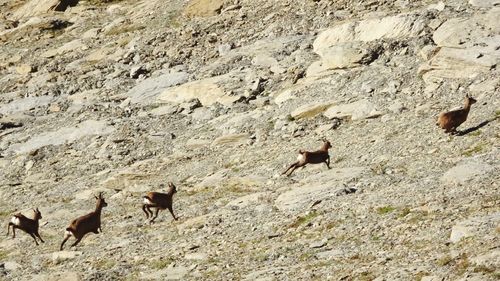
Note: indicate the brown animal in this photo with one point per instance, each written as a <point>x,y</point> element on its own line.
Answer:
<point>27,225</point>
<point>314,157</point>
<point>89,223</point>
<point>449,121</point>
<point>160,201</point>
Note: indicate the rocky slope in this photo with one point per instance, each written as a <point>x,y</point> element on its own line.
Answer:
<point>218,97</point>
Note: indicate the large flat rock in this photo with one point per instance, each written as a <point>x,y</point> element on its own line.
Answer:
<point>208,91</point>
<point>38,7</point>
<point>146,91</point>
<point>466,48</point>
<point>399,26</point>
<point>63,135</point>
<point>466,171</point>
<point>22,105</point>
<point>361,109</point>
<point>317,187</point>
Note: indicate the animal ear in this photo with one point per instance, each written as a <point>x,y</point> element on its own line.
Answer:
<point>96,197</point>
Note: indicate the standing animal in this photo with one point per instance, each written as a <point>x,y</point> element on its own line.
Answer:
<point>449,121</point>
<point>314,157</point>
<point>27,225</point>
<point>160,201</point>
<point>88,223</point>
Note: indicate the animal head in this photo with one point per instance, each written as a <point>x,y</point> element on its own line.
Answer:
<point>172,188</point>
<point>38,214</point>
<point>100,201</point>
<point>469,99</point>
<point>326,144</point>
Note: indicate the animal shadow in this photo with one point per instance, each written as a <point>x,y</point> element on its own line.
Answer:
<point>475,128</point>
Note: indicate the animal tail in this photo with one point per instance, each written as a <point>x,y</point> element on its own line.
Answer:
<point>147,200</point>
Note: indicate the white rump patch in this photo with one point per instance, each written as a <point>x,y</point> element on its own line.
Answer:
<point>68,233</point>
<point>15,220</point>
<point>300,157</point>
<point>147,201</point>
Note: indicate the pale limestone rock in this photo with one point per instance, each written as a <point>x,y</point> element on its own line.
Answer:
<point>345,55</point>
<point>458,232</point>
<point>232,139</point>
<point>311,110</point>
<point>38,7</point>
<point>207,91</point>
<point>466,171</point>
<point>64,255</point>
<point>147,91</point>
<point>197,143</point>
<point>247,200</point>
<point>361,109</point>
<point>58,137</point>
<point>24,69</point>
<point>22,105</point>
<point>400,26</point>
<point>490,259</point>
<point>269,62</point>
<point>203,8</point>
<point>484,3</point>
<point>72,46</point>
<point>196,256</point>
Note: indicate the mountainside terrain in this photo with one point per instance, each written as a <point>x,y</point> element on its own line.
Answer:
<point>218,97</point>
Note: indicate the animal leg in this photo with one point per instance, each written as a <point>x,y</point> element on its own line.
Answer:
<point>172,212</point>
<point>327,162</point>
<point>38,235</point>
<point>144,210</point>
<point>149,210</point>
<point>296,165</point>
<point>8,228</point>
<point>291,166</point>
<point>34,237</point>
<point>156,215</point>
<point>64,241</point>
<point>14,230</point>
<point>76,242</point>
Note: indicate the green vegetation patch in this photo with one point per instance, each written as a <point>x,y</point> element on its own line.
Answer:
<point>474,150</point>
<point>304,219</point>
<point>385,210</point>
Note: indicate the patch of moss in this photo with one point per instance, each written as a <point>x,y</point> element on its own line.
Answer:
<point>474,150</point>
<point>161,263</point>
<point>404,212</point>
<point>385,210</point>
<point>445,260</point>
<point>105,264</point>
<point>3,255</point>
<point>484,269</point>
<point>304,219</point>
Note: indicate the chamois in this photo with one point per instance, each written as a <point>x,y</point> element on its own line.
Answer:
<point>160,201</point>
<point>314,157</point>
<point>27,225</point>
<point>88,223</point>
<point>449,121</point>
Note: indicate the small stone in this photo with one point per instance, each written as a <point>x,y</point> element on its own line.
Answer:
<point>224,49</point>
<point>318,244</point>
<point>24,69</point>
<point>11,265</point>
<point>136,71</point>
